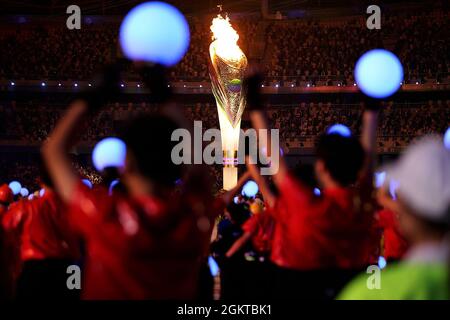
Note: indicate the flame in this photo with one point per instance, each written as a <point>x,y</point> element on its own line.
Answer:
<point>225,38</point>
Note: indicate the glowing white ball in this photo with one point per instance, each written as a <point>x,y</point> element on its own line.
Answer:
<point>378,73</point>
<point>109,152</point>
<point>15,187</point>
<point>250,189</point>
<point>41,192</point>
<point>30,197</point>
<point>155,32</point>
<point>447,138</point>
<point>24,192</point>
<point>339,129</point>
<point>87,183</point>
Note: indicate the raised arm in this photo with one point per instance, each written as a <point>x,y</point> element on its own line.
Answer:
<point>55,150</point>
<point>259,121</point>
<point>369,139</point>
<point>228,196</point>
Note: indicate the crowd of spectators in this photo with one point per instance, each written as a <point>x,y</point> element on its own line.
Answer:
<point>310,51</point>
<point>325,54</point>
<point>299,125</point>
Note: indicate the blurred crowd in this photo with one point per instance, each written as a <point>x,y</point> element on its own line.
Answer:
<point>296,51</point>
<point>401,122</point>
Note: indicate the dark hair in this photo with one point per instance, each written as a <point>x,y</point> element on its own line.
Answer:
<point>148,139</point>
<point>239,213</point>
<point>305,173</point>
<point>343,157</point>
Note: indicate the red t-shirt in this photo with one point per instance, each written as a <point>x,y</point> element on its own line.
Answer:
<point>331,231</point>
<point>41,229</point>
<point>395,245</point>
<point>261,227</point>
<point>142,248</point>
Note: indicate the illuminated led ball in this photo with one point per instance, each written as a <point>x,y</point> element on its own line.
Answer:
<point>15,187</point>
<point>447,138</point>
<point>41,192</point>
<point>87,183</point>
<point>378,73</point>
<point>109,152</point>
<point>235,85</point>
<point>339,129</point>
<point>250,189</point>
<point>317,192</point>
<point>30,197</point>
<point>24,192</point>
<point>154,32</point>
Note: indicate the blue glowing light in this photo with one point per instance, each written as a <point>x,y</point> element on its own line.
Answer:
<point>155,32</point>
<point>213,266</point>
<point>447,138</point>
<point>109,152</point>
<point>378,73</point>
<point>317,192</point>
<point>380,177</point>
<point>24,192</point>
<point>41,192</point>
<point>250,189</point>
<point>87,183</point>
<point>339,129</point>
<point>15,187</point>
<point>236,199</point>
<point>393,186</point>
<point>112,185</point>
<point>382,262</point>
<point>30,197</point>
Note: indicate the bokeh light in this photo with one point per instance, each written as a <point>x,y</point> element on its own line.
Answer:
<point>250,189</point>
<point>24,192</point>
<point>15,187</point>
<point>447,138</point>
<point>87,183</point>
<point>339,129</point>
<point>109,152</point>
<point>155,32</point>
<point>378,73</point>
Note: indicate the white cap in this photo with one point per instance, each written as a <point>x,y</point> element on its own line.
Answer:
<point>423,177</point>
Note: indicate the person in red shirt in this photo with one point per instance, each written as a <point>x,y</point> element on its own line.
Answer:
<point>150,242</point>
<point>6,248</point>
<point>323,241</point>
<point>46,245</point>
